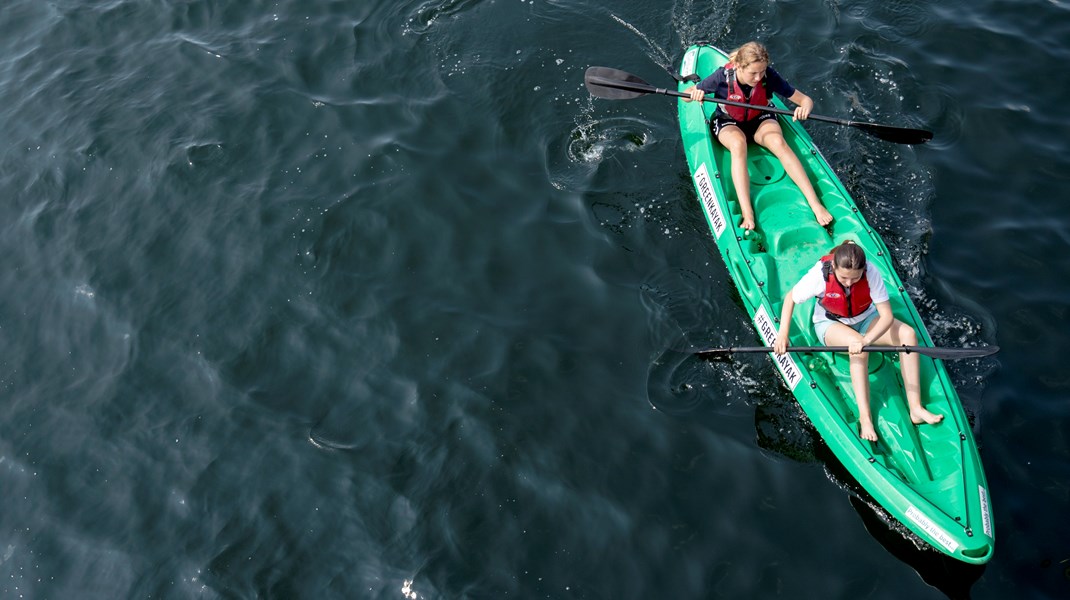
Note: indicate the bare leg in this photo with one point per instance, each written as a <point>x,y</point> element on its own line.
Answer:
<point>732,137</point>
<point>900,334</point>
<point>841,335</point>
<point>771,136</point>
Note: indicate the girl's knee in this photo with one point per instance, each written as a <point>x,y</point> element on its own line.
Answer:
<point>907,335</point>
<point>776,144</point>
<point>738,147</point>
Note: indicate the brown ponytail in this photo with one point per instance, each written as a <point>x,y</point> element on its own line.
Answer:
<point>848,255</point>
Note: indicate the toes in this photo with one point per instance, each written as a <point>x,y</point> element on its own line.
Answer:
<point>867,433</point>
<point>926,418</point>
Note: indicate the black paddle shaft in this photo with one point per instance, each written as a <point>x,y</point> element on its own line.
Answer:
<point>614,84</point>
<point>944,353</point>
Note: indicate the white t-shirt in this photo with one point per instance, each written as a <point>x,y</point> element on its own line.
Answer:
<point>813,284</point>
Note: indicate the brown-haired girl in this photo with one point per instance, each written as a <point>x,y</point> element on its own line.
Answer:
<point>853,310</point>
<point>748,78</point>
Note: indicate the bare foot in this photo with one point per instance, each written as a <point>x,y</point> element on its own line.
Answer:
<point>867,432</point>
<point>824,217</point>
<point>747,223</point>
<point>921,415</point>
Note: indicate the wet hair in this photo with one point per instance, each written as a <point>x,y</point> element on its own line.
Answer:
<point>848,255</point>
<point>748,53</point>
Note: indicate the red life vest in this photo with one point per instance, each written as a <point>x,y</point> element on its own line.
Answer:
<point>758,97</point>
<point>843,302</point>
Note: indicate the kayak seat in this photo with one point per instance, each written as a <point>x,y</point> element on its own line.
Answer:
<point>786,241</point>
<point>780,208</point>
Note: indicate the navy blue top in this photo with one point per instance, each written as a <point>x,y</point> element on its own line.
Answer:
<point>717,84</point>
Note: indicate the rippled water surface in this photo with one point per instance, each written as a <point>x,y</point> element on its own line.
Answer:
<point>368,299</point>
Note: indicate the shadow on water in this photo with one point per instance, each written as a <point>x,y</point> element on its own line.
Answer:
<point>952,577</point>
<point>680,384</point>
<point>782,427</point>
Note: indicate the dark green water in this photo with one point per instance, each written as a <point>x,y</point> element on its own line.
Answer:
<point>324,299</point>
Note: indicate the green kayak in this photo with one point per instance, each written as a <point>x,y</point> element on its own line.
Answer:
<point>930,477</point>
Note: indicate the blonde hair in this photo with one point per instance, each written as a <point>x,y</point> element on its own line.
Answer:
<point>749,53</point>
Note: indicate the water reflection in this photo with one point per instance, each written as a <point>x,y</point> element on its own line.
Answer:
<point>680,384</point>
<point>952,577</point>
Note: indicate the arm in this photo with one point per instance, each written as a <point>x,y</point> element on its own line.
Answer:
<point>706,86</point>
<point>883,323</point>
<point>780,86</point>
<point>781,344</point>
<point>885,318</point>
<point>804,104</point>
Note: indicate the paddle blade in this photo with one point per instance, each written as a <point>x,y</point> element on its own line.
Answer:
<point>714,354</point>
<point>897,135</point>
<point>955,353</point>
<point>603,82</point>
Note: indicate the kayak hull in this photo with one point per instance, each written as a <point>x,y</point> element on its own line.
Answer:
<point>928,477</point>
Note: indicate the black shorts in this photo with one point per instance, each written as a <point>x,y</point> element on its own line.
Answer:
<point>748,128</point>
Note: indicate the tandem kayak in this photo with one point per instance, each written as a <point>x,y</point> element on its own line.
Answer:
<point>929,478</point>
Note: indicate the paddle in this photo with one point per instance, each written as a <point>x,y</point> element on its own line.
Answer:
<point>944,353</point>
<point>613,84</point>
